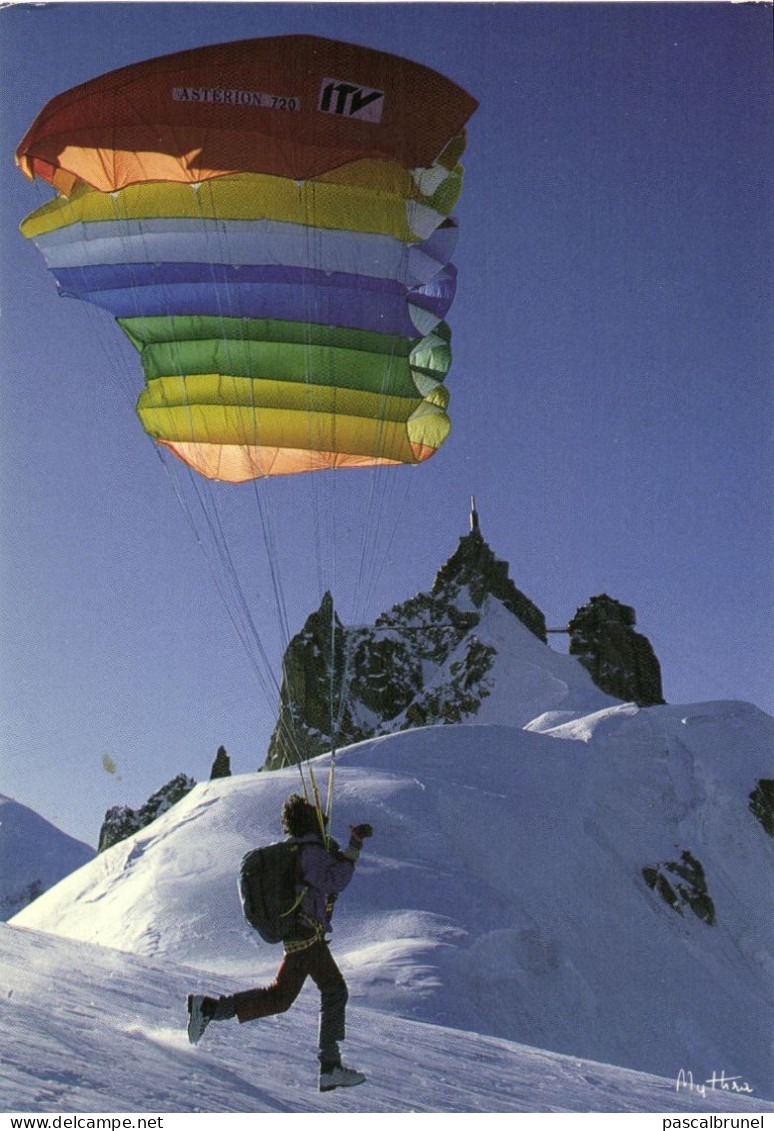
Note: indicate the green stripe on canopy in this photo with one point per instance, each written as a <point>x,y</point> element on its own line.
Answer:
<point>189,327</point>
<point>282,361</point>
<point>290,351</point>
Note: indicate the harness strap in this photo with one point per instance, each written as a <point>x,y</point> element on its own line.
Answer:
<point>297,904</point>
<point>292,946</point>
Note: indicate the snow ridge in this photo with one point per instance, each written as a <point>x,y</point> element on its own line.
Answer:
<point>505,891</point>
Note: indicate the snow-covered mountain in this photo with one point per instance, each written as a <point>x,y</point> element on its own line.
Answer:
<point>34,855</point>
<point>560,870</point>
<point>87,1029</point>
<point>596,885</point>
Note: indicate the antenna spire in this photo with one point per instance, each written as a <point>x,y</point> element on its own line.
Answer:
<point>474,528</point>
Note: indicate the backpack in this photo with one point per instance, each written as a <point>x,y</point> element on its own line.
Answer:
<point>268,878</point>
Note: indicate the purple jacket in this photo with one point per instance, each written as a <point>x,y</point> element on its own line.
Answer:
<point>325,874</point>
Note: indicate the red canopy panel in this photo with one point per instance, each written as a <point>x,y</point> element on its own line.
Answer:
<point>292,106</point>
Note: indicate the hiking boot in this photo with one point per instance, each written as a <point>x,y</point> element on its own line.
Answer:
<point>199,1016</point>
<point>338,1076</point>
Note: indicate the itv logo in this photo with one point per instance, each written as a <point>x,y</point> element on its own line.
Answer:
<point>348,100</point>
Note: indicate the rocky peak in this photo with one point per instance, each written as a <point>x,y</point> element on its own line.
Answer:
<point>221,767</point>
<point>314,669</point>
<point>474,566</point>
<point>621,661</point>
<point>122,822</point>
<point>421,662</point>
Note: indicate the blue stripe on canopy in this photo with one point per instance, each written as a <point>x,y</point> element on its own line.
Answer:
<point>352,301</point>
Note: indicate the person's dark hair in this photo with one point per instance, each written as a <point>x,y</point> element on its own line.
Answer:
<point>299,817</point>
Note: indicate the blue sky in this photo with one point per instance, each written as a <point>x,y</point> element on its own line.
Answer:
<point>611,392</point>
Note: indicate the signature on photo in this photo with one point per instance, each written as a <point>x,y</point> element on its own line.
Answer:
<point>717,1082</point>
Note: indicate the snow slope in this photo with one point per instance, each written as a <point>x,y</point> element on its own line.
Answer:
<point>34,855</point>
<point>88,1029</point>
<point>527,678</point>
<point>503,892</point>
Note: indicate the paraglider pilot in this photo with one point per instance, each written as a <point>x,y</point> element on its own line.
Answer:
<point>324,872</point>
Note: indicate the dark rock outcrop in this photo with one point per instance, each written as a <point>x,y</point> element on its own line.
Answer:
<point>221,767</point>
<point>121,821</point>
<point>314,704</point>
<point>762,804</point>
<point>460,697</point>
<point>684,886</point>
<point>621,661</point>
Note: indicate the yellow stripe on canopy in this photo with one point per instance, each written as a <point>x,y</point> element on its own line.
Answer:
<point>239,424</point>
<point>211,391</point>
<point>368,196</point>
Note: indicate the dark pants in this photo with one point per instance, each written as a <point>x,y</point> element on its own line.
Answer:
<point>317,963</point>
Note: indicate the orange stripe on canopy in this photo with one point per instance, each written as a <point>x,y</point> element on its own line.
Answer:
<point>240,463</point>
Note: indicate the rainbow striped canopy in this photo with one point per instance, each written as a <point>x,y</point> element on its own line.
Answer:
<point>269,223</point>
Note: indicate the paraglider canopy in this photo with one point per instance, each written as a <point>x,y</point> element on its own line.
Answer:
<point>294,106</point>
<point>269,222</point>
